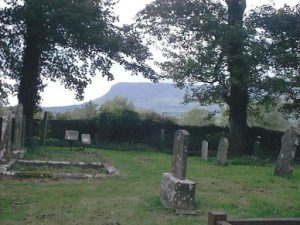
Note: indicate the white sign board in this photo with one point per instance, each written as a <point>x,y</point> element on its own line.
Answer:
<point>71,135</point>
<point>86,139</point>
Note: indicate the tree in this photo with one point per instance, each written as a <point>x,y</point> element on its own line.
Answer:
<point>268,117</point>
<point>63,40</point>
<point>212,42</point>
<point>118,121</point>
<point>197,117</point>
<point>117,103</point>
<point>281,28</point>
<point>89,110</point>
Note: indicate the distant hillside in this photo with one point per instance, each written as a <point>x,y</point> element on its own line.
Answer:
<point>160,97</point>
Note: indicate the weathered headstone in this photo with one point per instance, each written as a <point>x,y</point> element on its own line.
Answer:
<point>18,128</point>
<point>44,129</point>
<point>222,151</point>
<point>5,145</point>
<point>286,157</point>
<point>180,150</point>
<point>204,150</point>
<point>256,149</point>
<point>176,191</point>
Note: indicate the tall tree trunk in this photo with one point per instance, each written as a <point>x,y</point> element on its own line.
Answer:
<point>238,99</point>
<point>29,77</point>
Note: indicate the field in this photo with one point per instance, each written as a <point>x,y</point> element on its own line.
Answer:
<point>133,197</point>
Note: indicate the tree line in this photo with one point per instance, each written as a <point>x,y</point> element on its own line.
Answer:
<point>242,58</point>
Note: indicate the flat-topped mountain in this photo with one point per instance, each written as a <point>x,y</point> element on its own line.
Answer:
<point>159,97</point>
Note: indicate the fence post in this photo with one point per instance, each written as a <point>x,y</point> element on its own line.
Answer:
<point>215,216</point>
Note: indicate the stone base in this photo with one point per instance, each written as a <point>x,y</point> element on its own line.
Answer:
<point>178,194</point>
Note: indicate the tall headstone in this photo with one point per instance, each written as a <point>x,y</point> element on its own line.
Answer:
<point>18,129</point>
<point>286,157</point>
<point>176,191</point>
<point>204,150</point>
<point>180,150</point>
<point>222,151</point>
<point>44,129</point>
<point>5,145</point>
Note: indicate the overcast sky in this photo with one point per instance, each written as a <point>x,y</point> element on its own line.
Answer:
<point>56,95</point>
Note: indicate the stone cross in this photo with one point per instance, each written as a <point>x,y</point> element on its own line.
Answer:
<point>180,149</point>
<point>204,150</point>
<point>289,144</point>
<point>18,127</point>
<point>222,151</point>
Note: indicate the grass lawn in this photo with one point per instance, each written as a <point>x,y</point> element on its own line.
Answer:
<point>133,197</point>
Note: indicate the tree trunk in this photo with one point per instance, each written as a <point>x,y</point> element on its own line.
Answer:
<point>29,77</point>
<point>238,96</point>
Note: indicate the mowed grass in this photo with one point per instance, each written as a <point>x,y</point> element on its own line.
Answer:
<point>133,197</point>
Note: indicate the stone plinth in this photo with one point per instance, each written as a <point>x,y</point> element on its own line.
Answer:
<point>178,194</point>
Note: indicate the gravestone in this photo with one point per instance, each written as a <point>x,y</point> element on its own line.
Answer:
<point>204,150</point>
<point>176,191</point>
<point>44,129</point>
<point>222,151</point>
<point>5,145</point>
<point>286,157</point>
<point>18,128</point>
<point>256,149</point>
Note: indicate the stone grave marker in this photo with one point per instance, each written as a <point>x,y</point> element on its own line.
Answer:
<point>18,128</point>
<point>204,150</point>
<point>44,129</point>
<point>5,145</point>
<point>176,191</point>
<point>289,143</point>
<point>222,151</point>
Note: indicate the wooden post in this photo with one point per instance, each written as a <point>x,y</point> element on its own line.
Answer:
<point>215,216</point>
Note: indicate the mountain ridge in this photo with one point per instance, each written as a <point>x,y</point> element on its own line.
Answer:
<point>159,97</point>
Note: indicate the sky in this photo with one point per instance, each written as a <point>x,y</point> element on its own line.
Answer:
<point>55,94</point>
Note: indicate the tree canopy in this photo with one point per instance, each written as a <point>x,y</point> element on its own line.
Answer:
<point>231,52</point>
<point>66,41</point>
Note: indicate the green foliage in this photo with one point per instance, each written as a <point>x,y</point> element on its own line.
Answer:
<point>197,117</point>
<point>66,41</point>
<point>117,121</point>
<point>232,53</point>
<point>281,30</point>
<point>118,103</point>
<point>268,117</point>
